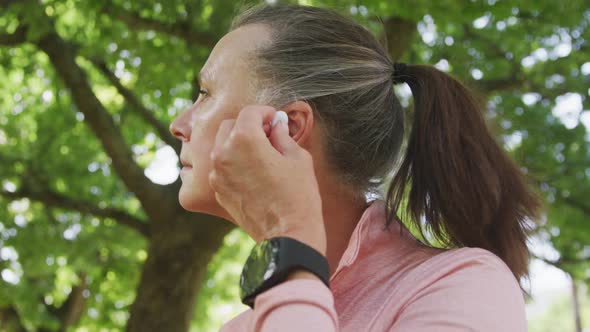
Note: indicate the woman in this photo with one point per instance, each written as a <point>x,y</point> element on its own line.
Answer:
<point>308,180</point>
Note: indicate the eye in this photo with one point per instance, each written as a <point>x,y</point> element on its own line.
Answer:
<point>203,92</point>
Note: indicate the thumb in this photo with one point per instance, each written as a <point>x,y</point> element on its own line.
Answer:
<point>280,139</point>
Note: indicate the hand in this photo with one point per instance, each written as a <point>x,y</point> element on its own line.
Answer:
<point>265,180</point>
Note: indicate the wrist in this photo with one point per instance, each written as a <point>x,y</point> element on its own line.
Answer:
<point>313,233</point>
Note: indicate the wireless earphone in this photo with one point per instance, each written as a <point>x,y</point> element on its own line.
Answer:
<point>279,115</point>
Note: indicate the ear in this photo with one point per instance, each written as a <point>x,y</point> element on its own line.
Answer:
<point>301,121</point>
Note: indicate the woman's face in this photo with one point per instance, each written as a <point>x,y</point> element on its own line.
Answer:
<point>225,89</point>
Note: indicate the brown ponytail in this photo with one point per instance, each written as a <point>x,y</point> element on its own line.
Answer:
<point>468,189</point>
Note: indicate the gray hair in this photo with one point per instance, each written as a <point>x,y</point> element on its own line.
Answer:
<point>344,73</point>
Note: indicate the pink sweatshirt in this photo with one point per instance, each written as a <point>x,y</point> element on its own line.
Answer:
<point>391,282</point>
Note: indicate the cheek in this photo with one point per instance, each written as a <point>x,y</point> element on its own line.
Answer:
<point>200,147</point>
<point>202,165</point>
<point>195,193</point>
<point>201,143</point>
<point>200,154</point>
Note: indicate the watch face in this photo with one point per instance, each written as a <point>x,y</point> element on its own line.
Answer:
<point>261,264</point>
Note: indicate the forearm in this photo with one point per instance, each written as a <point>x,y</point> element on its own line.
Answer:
<point>300,303</point>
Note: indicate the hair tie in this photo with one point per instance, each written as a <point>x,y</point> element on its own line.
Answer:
<point>399,70</point>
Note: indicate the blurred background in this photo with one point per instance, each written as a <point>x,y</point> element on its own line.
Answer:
<point>92,237</point>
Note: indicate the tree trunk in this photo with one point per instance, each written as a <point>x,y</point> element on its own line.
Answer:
<point>576,305</point>
<point>180,243</point>
<point>178,255</point>
<point>10,320</point>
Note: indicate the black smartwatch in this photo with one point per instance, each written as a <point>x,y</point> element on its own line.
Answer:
<point>271,261</point>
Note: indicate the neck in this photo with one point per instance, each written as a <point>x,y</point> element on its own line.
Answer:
<point>341,213</point>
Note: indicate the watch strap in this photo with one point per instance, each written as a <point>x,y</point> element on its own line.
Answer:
<point>301,255</point>
<point>284,255</point>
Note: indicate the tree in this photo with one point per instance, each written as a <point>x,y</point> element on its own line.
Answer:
<point>558,317</point>
<point>88,91</point>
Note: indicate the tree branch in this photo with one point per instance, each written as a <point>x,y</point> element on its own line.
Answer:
<point>135,104</point>
<point>556,263</point>
<point>398,34</point>
<point>72,309</point>
<point>516,80</point>
<point>501,84</point>
<point>181,29</point>
<point>513,81</point>
<point>19,36</point>
<point>576,204</point>
<point>490,44</point>
<point>54,199</point>
<point>11,320</point>
<point>6,3</point>
<point>62,55</point>
<point>561,262</point>
<point>569,200</point>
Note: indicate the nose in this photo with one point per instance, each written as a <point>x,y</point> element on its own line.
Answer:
<point>181,126</point>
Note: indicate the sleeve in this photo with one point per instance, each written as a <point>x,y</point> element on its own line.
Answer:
<point>481,294</point>
<point>295,305</point>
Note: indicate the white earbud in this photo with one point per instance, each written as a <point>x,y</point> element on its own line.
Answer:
<point>280,115</point>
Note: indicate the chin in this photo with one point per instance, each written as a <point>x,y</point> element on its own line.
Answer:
<point>193,199</point>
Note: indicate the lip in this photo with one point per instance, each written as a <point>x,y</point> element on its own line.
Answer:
<point>185,163</point>
<point>186,168</point>
<point>185,171</point>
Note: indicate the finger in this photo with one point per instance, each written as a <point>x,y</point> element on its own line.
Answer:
<point>280,138</point>
<point>251,121</point>
<point>223,132</point>
<point>267,127</point>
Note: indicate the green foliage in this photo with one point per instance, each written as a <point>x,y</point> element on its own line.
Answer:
<point>559,317</point>
<point>218,300</point>
<point>527,59</point>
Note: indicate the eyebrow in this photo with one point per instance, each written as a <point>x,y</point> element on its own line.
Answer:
<point>204,76</point>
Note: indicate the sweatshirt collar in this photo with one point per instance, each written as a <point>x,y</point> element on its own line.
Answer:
<point>369,226</point>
